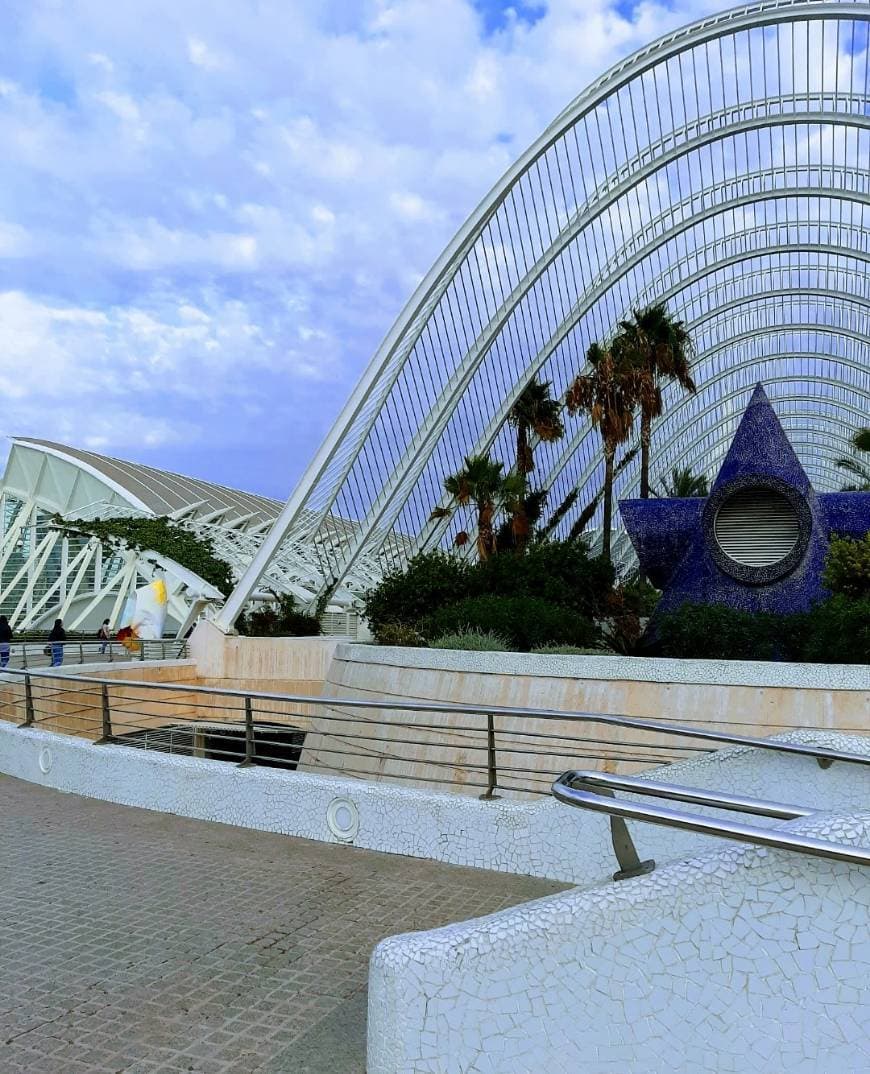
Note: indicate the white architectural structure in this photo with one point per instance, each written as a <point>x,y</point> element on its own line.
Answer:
<point>45,574</point>
<point>722,170</point>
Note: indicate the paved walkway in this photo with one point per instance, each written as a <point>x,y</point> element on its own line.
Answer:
<point>139,942</point>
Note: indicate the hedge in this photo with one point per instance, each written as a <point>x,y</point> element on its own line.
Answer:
<point>836,631</point>
<point>524,622</point>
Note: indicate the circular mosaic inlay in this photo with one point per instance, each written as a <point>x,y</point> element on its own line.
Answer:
<point>757,527</point>
<point>45,760</point>
<point>342,816</point>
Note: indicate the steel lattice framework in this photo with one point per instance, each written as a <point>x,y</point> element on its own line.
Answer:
<point>724,169</point>
<point>46,573</point>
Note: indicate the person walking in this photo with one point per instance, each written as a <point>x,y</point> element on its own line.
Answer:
<point>104,635</point>
<point>5,640</point>
<point>56,639</point>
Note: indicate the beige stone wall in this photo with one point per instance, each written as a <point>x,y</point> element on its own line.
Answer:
<point>425,748</point>
<point>281,665</point>
<point>403,746</point>
<point>65,703</point>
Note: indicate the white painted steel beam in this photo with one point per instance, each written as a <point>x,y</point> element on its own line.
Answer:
<point>339,452</point>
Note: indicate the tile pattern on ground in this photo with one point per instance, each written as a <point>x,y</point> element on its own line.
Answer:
<point>139,942</point>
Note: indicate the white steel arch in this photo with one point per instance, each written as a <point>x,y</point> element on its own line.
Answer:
<point>47,572</point>
<point>724,169</point>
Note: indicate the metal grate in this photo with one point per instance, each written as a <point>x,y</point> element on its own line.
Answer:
<point>756,527</point>
<point>344,623</point>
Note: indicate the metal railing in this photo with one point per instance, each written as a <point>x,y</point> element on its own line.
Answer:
<point>595,791</point>
<point>26,655</point>
<point>464,747</point>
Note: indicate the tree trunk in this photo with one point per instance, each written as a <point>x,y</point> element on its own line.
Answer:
<point>645,436</point>
<point>522,450</point>
<point>485,534</point>
<point>520,526</point>
<point>609,452</point>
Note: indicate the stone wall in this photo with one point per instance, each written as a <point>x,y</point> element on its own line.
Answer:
<point>64,702</point>
<point>426,749</point>
<point>289,665</point>
<point>743,698</point>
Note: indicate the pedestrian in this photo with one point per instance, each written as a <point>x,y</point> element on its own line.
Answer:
<point>103,635</point>
<point>5,639</point>
<point>56,639</point>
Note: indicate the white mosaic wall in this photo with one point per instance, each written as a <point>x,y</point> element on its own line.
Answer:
<point>536,838</point>
<point>741,959</point>
<point>610,667</point>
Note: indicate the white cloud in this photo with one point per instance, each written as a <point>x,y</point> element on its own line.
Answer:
<point>202,56</point>
<point>15,241</point>
<point>232,206</point>
<point>120,104</point>
<point>410,206</point>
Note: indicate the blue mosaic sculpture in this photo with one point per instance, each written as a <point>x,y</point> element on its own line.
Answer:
<point>758,541</point>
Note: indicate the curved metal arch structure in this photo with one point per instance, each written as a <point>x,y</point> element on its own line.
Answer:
<point>722,169</point>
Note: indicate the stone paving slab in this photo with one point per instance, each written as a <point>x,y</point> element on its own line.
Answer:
<point>139,942</point>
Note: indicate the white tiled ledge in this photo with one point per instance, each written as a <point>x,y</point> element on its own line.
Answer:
<point>623,668</point>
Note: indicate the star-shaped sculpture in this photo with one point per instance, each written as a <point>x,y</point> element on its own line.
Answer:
<point>758,541</point>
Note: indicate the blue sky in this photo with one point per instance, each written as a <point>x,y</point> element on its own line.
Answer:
<point>211,212</point>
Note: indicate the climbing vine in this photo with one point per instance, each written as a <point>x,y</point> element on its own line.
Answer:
<point>161,535</point>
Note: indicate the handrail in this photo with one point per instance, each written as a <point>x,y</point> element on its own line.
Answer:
<point>822,754</point>
<point>31,654</point>
<point>717,799</point>
<point>572,788</point>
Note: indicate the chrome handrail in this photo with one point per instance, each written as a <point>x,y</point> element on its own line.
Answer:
<point>572,788</point>
<point>822,754</point>
<point>717,799</point>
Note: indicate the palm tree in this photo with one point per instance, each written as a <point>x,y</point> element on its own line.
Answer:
<point>535,411</point>
<point>685,485</point>
<point>481,482</point>
<point>523,514</point>
<point>857,467</point>
<point>660,346</point>
<point>609,393</point>
<point>585,516</point>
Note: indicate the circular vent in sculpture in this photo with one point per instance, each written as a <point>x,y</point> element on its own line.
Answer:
<point>757,527</point>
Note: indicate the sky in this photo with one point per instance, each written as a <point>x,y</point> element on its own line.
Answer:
<point>211,211</point>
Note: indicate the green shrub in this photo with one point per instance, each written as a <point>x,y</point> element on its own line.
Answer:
<point>638,595</point>
<point>399,634</point>
<point>524,622</point>
<point>625,606</point>
<point>476,641</point>
<point>558,572</point>
<point>279,619</point>
<point>430,580</point>
<point>837,632</point>
<point>716,632</point>
<point>847,566</point>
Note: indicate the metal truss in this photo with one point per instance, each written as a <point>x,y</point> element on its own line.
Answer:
<point>46,573</point>
<point>663,458</point>
<point>722,169</point>
<point>434,529</point>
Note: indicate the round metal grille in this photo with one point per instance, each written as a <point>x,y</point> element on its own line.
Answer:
<point>756,527</point>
